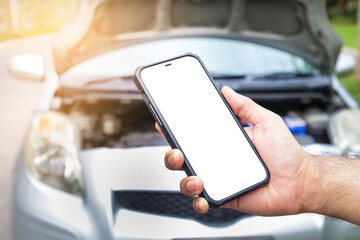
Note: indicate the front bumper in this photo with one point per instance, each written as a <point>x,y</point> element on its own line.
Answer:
<point>42,212</point>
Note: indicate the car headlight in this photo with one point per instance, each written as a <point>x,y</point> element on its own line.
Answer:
<point>52,152</point>
<point>344,131</point>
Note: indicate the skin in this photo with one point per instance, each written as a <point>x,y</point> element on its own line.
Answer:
<point>299,182</point>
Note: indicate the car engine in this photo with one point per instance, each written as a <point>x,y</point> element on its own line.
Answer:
<point>114,124</point>
<point>126,124</point>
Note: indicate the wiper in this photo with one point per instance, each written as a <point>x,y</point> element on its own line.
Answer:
<point>227,76</point>
<point>268,76</point>
<point>105,80</point>
<point>282,75</point>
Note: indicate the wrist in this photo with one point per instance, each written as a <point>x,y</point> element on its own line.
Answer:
<point>312,197</point>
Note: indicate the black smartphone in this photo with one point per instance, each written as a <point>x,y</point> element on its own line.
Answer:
<point>195,118</point>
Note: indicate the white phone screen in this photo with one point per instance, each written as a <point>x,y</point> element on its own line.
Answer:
<point>207,133</point>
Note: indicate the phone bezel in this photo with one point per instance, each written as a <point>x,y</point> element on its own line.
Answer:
<point>172,140</point>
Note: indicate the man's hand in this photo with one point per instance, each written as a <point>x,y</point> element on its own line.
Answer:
<point>283,156</point>
<point>299,182</point>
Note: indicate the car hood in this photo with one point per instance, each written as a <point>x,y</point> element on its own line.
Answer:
<point>299,27</point>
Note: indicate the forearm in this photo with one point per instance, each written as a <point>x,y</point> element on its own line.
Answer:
<point>332,187</point>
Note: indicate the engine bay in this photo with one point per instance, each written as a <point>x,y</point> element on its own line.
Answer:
<point>117,123</point>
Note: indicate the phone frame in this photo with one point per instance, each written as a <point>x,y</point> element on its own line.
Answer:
<point>172,140</point>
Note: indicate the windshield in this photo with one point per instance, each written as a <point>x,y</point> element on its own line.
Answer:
<point>220,56</point>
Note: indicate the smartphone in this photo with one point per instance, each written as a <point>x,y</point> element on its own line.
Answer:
<point>196,119</point>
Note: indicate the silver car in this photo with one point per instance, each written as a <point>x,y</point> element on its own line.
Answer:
<point>92,164</point>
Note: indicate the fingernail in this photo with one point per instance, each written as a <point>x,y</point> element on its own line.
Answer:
<point>227,87</point>
<point>192,186</point>
<point>197,205</point>
<point>171,160</point>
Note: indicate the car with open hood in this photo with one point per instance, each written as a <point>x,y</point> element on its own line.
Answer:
<point>92,167</point>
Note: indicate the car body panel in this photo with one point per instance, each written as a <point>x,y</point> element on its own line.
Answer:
<point>300,27</point>
<point>43,212</point>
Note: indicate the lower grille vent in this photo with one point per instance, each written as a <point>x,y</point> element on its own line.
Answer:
<point>172,204</point>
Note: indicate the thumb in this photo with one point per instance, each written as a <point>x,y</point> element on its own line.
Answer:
<point>244,107</point>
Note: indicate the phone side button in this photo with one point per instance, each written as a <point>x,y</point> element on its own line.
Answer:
<point>155,115</point>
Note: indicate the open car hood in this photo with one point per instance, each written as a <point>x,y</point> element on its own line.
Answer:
<point>300,27</point>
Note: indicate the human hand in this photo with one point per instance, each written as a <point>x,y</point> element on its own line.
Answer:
<point>284,157</point>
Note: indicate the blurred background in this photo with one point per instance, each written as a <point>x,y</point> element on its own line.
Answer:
<point>23,18</point>
<point>344,18</point>
<point>27,26</point>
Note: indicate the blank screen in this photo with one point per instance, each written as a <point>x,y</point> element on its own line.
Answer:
<point>206,131</point>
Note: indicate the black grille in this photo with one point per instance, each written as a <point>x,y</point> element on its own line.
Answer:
<point>172,204</point>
